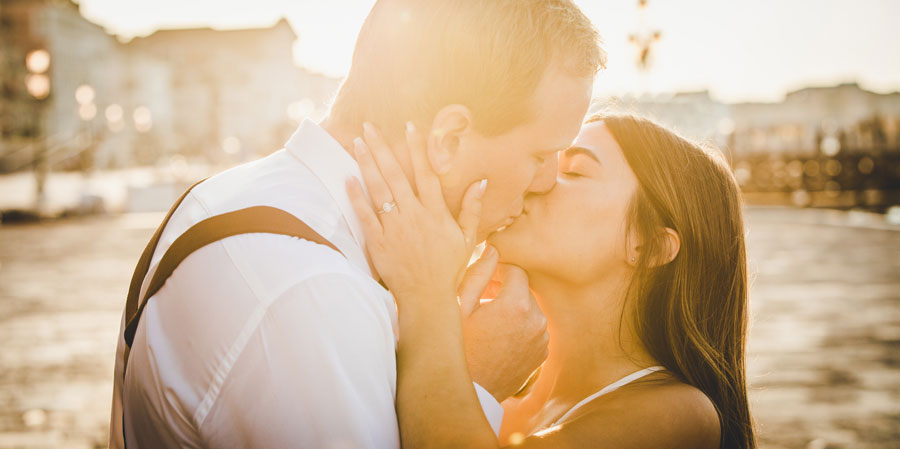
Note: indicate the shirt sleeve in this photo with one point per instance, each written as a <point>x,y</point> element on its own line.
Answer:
<point>319,370</point>
<point>493,411</point>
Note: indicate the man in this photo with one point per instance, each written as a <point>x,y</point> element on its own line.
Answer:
<point>262,340</point>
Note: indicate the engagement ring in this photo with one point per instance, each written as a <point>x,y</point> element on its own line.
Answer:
<point>386,207</point>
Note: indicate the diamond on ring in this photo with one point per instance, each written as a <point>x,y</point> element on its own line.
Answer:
<point>387,206</point>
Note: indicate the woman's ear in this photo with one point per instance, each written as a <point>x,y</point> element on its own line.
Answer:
<point>669,248</point>
<point>671,244</point>
<point>443,143</point>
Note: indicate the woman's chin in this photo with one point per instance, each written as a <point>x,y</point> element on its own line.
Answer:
<point>509,247</point>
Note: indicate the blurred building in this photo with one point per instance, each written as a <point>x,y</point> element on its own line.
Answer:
<point>216,95</point>
<point>230,93</point>
<point>820,120</point>
<point>822,146</point>
<point>807,122</point>
<point>694,114</point>
<point>38,109</point>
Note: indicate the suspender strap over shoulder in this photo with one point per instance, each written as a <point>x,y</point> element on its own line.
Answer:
<point>140,271</point>
<point>256,219</point>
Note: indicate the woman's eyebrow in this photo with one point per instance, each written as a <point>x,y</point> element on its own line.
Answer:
<point>572,151</point>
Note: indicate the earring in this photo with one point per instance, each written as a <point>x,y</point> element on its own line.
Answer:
<point>633,260</point>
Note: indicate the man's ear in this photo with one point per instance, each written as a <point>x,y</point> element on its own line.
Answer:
<point>449,124</point>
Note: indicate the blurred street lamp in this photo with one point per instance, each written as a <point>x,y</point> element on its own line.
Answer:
<point>37,61</point>
<point>114,114</point>
<point>37,83</point>
<point>143,119</point>
<point>87,110</point>
<point>84,94</point>
<point>831,146</point>
<point>644,38</point>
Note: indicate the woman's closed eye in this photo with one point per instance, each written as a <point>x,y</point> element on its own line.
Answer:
<point>577,167</point>
<point>578,163</point>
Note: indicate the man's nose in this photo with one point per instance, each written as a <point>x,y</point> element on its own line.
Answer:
<point>545,178</point>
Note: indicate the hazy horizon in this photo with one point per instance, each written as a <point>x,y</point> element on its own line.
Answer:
<point>738,52</point>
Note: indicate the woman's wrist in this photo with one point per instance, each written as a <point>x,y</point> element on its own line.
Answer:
<point>421,311</point>
<point>425,296</point>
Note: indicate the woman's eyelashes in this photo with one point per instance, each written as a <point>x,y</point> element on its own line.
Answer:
<point>578,166</point>
<point>572,169</point>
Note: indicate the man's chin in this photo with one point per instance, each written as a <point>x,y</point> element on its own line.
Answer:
<point>490,234</point>
<point>485,233</point>
<point>495,236</point>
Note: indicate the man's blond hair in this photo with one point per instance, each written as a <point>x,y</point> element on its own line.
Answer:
<point>413,57</point>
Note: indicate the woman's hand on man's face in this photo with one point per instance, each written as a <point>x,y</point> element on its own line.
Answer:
<point>421,252</point>
<point>418,248</point>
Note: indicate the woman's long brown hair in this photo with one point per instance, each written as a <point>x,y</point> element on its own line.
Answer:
<point>691,313</point>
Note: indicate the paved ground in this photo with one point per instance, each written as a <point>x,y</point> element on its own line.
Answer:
<point>824,351</point>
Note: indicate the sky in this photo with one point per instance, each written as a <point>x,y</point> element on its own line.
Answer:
<point>738,50</point>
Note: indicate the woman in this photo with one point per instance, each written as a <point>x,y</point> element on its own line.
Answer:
<point>637,259</point>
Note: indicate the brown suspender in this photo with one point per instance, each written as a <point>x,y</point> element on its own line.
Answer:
<point>256,219</point>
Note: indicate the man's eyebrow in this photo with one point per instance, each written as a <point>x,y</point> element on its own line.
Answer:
<point>572,151</point>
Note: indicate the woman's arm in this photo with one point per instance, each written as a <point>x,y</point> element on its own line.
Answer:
<point>436,404</point>
<point>421,252</point>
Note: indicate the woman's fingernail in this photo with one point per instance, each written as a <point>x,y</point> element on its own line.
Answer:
<point>482,186</point>
<point>368,128</point>
<point>410,127</point>
<point>359,146</point>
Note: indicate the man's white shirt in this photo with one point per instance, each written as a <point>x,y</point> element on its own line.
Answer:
<point>262,340</point>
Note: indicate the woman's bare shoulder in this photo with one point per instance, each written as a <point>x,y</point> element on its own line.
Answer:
<point>682,411</point>
<point>656,413</point>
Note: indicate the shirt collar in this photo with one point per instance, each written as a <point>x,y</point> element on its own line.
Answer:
<point>332,165</point>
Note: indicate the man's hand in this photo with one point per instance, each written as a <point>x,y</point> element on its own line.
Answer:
<point>506,338</point>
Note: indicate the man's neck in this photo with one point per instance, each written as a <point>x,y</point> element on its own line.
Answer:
<point>345,134</point>
<point>340,133</point>
<point>345,139</point>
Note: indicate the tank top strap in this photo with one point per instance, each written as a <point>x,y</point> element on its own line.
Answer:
<point>609,389</point>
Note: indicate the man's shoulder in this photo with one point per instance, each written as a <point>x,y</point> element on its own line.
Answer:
<point>277,180</point>
<point>272,263</point>
<point>274,182</point>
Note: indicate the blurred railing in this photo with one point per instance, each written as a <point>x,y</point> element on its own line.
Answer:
<point>847,180</point>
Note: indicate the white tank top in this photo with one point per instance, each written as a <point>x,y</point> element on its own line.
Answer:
<point>609,389</point>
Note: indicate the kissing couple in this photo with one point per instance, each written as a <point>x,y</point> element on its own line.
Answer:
<point>323,296</point>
